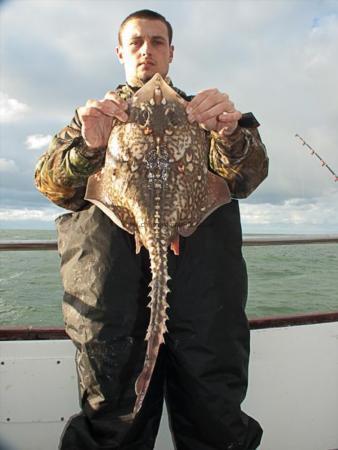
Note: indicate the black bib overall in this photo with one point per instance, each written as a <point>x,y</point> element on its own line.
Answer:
<point>202,368</point>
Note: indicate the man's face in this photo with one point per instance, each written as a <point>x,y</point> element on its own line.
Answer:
<point>145,49</point>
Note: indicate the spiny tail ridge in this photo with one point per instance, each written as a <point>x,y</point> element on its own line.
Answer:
<point>157,327</point>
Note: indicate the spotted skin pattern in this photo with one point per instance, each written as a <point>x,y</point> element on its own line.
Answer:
<point>156,185</point>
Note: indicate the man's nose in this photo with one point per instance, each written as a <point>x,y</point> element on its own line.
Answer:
<point>146,48</point>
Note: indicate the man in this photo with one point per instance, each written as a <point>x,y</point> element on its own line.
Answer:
<point>202,367</point>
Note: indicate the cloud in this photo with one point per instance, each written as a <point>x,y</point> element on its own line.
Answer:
<point>25,214</point>
<point>7,165</point>
<point>11,109</point>
<point>301,214</point>
<point>37,141</point>
<point>274,58</point>
<point>322,43</point>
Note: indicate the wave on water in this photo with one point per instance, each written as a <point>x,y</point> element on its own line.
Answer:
<point>11,277</point>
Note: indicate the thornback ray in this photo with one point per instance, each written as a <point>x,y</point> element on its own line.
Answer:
<point>156,184</point>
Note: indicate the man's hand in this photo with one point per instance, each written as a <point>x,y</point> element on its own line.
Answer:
<point>97,118</point>
<point>214,111</point>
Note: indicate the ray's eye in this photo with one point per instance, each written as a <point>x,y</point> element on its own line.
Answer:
<point>172,117</point>
<point>143,117</point>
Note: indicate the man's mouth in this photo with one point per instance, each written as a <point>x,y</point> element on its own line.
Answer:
<point>147,63</point>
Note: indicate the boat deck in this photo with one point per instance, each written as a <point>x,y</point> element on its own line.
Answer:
<point>293,388</point>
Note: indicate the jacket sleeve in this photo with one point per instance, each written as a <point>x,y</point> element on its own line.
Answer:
<point>240,158</point>
<point>62,171</point>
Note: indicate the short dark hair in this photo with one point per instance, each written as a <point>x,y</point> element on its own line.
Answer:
<point>145,14</point>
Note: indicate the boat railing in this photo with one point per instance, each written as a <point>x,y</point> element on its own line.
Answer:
<point>7,245</point>
<point>38,333</point>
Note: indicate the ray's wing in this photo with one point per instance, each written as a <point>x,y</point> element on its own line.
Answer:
<point>95,193</point>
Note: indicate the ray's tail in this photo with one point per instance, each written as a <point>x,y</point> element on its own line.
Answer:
<point>157,327</point>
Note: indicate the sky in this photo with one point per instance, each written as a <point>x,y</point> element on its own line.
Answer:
<point>277,59</point>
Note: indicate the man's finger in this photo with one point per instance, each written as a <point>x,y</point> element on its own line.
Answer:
<point>211,113</point>
<point>107,107</point>
<point>228,130</point>
<point>210,96</point>
<point>100,105</point>
<point>114,110</point>
<point>86,111</point>
<point>111,95</point>
<point>199,98</point>
<point>183,102</point>
<point>218,100</point>
<point>227,117</point>
<point>92,102</point>
<point>121,115</point>
<point>207,104</point>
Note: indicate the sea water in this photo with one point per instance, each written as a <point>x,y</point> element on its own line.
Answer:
<point>282,280</point>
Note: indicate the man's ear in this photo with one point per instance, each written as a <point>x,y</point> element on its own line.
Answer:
<point>171,53</point>
<point>119,54</point>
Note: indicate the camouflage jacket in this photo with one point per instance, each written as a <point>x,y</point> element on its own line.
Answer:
<point>62,171</point>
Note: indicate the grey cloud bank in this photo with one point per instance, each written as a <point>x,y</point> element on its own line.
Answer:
<point>277,59</point>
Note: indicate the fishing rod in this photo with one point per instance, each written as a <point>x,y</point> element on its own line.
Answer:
<point>313,152</point>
